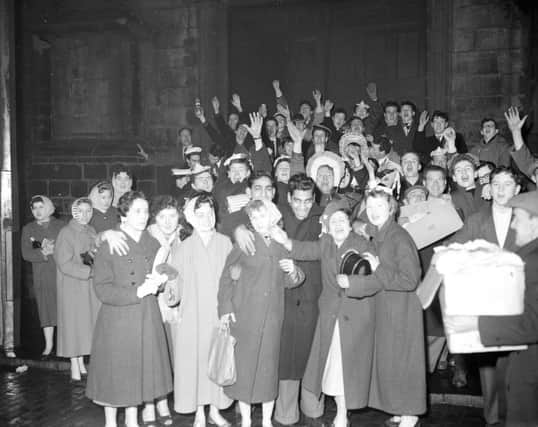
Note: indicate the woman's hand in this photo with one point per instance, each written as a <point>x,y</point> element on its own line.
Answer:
<point>342,280</point>
<point>226,319</point>
<point>151,285</point>
<point>280,236</point>
<point>117,242</point>
<point>287,265</point>
<point>235,272</point>
<point>373,260</point>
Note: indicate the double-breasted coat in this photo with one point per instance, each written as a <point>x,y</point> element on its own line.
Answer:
<point>130,363</point>
<point>300,303</point>
<point>43,267</point>
<point>200,267</point>
<point>77,303</point>
<point>257,300</point>
<point>355,319</point>
<point>398,383</point>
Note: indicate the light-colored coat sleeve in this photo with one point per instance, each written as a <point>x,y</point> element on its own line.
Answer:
<point>67,257</point>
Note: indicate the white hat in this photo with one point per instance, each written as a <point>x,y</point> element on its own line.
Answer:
<point>326,158</point>
<point>198,169</point>
<point>349,138</point>
<point>181,172</point>
<point>236,156</point>
<point>362,104</point>
<point>193,150</point>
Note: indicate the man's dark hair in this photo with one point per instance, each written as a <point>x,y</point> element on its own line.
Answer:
<point>119,168</point>
<point>384,144</point>
<point>340,110</point>
<point>489,119</point>
<point>507,170</point>
<point>301,182</point>
<point>434,168</point>
<point>411,104</point>
<point>306,102</point>
<point>391,104</point>
<point>440,114</point>
<point>257,175</point>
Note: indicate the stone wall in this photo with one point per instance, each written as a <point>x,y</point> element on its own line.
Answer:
<point>487,62</point>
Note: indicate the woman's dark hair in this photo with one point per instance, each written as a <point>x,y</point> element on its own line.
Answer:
<point>119,168</point>
<point>204,197</point>
<point>36,199</point>
<point>126,201</point>
<point>159,203</point>
<point>507,170</point>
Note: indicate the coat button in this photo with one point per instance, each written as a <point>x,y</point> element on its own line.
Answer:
<point>346,318</point>
<point>298,303</point>
<point>132,273</point>
<point>130,260</point>
<point>133,283</point>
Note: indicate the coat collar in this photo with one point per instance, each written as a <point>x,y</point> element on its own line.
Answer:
<point>381,233</point>
<point>528,248</point>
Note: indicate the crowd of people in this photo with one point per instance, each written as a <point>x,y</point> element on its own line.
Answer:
<point>253,240</point>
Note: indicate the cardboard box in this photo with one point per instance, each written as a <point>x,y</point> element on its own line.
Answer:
<point>429,221</point>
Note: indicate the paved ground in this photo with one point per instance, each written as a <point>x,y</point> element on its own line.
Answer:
<point>45,398</point>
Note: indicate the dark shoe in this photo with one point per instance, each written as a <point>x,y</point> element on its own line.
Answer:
<point>390,423</point>
<point>459,380</point>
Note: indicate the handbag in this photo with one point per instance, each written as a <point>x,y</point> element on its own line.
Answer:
<point>221,366</point>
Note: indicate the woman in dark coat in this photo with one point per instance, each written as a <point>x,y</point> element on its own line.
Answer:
<point>255,306</point>
<point>340,361</point>
<point>398,383</point>
<point>130,362</point>
<point>37,246</point>
<point>105,216</point>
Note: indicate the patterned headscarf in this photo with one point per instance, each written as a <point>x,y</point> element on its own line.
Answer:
<point>75,207</point>
<point>47,203</point>
<point>96,190</point>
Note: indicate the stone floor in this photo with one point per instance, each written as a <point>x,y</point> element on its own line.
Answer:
<point>46,398</point>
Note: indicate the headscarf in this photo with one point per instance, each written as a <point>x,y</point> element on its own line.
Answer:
<point>47,203</point>
<point>191,218</point>
<point>75,207</point>
<point>94,195</point>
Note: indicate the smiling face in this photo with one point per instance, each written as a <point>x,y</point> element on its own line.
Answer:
<point>283,172</point>
<point>167,220</point>
<point>205,218</point>
<point>137,216</point>
<point>301,202</point>
<point>85,212</point>
<point>262,189</point>
<point>122,183</point>
<point>339,226</point>
<point>439,124</point>
<point>378,210</point>
<point>503,188</point>
<point>203,182</point>
<point>238,172</point>
<point>435,182</point>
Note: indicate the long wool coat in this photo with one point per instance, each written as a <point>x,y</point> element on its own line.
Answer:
<point>300,303</point>
<point>399,370</point>
<point>200,268</point>
<point>77,303</point>
<point>129,361</point>
<point>43,268</point>
<point>257,300</point>
<point>355,318</point>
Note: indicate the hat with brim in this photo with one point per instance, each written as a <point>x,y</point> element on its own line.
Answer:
<point>335,205</point>
<point>193,150</point>
<point>324,128</point>
<point>236,157</point>
<point>181,172</point>
<point>526,201</point>
<point>326,158</point>
<point>198,169</point>
<point>350,138</point>
<point>414,188</point>
<point>281,159</point>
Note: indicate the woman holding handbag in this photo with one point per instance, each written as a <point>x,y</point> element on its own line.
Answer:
<point>200,260</point>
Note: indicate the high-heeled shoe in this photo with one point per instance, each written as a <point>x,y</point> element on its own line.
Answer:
<point>165,420</point>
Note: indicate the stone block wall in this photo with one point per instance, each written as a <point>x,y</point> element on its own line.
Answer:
<point>487,63</point>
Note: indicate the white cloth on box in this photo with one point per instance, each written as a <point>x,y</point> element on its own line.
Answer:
<point>332,383</point>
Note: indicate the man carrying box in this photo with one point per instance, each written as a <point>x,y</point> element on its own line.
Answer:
<point>522,371</point>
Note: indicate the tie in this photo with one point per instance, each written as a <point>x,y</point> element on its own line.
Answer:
<point>407,128</point>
